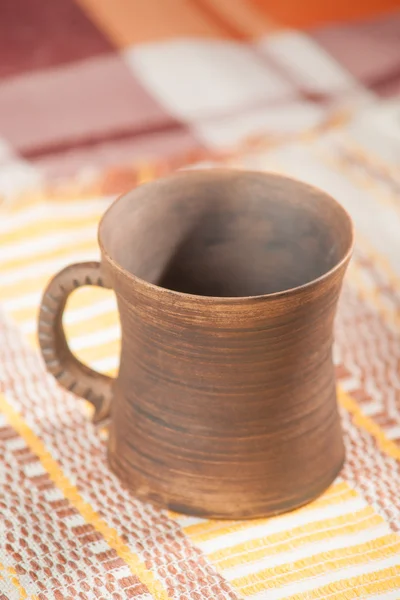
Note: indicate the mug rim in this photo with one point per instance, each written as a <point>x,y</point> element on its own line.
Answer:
<point>157,289</point>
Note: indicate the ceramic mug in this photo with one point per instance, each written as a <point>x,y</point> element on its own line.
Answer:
<point>227,284</point>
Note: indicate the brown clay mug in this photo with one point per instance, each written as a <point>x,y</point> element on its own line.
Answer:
<point>227,284</point>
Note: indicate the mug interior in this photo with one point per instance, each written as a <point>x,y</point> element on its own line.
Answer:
<point>226,233</point>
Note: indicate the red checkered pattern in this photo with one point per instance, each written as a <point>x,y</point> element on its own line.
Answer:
<point>86,84</point>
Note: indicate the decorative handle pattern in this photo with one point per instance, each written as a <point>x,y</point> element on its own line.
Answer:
<point>64,366</point>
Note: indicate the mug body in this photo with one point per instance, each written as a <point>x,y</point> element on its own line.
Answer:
<point>227,284</point>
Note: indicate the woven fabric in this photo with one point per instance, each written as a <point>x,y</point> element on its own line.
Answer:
<point>97,83</point>
<point>117,92</point>
<point>68,528</point>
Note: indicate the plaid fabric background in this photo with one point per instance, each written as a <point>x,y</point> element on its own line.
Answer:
<point>129,90</point>
<point>98,83</point>
<point>68,529</point>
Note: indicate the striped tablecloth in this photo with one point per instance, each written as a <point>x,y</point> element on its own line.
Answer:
<point>68,529</point>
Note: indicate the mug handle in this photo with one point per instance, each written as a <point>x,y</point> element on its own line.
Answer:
<point>62,364</point>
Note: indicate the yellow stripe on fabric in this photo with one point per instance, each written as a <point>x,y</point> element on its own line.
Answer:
<point>360,173</point>
<point>83,298</point>
<point>87,326</point>
<point>77,246</point>
<point>12,576</point>
<point>369,157</point>
<point>145,173</point>
<point>208,530</point>
<point>382,263</point>
<point>70,492</point>
<point>92,324</point>
<point>25,287</point>
<point>366,423</point>
<point>362,180</point>
<point>42,227</point>
<point>107,350</point>
<point>31,285</point>
<point>74,192</point>
<point>389,314</point>
<point>25,200</point>
<point>25,314</point>
<point>318,564</point>
<point>373,296</point>
<point>348,171</point>
<point>284,541</point>
<point>99,352</point>
<point>377,582</point>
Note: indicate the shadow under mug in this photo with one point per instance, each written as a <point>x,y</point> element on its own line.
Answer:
<point>227,284</point>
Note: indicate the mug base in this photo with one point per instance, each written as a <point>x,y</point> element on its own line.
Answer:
<point>145,493</point>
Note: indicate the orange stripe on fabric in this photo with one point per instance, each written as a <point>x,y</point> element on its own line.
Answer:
<point>238,18</point>
<point>145,173</point>
<point>70,492</point>
<point>314,12</point>
<point>130,22</point>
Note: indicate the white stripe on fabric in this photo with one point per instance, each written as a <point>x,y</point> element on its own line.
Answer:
<point>49,266</point>
<point>77,315</point>
<point>104,365</point>
<point>39,244</point>
<point>324,579</point>
<point>282,523</point>
<point>19,302</point>
<point>281,558</point>
<point>53,211</point>
<point>90,340</point>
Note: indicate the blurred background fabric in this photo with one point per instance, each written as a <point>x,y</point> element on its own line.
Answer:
<point>89,84</point>
<point>97,96</point>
